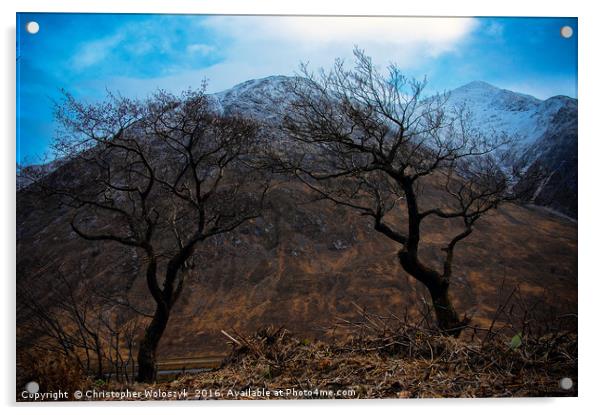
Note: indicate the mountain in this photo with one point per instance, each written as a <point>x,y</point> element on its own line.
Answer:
<point>29,173</point>
<point>303,265</point>
<point>546,132</point>
<point>255,98</point>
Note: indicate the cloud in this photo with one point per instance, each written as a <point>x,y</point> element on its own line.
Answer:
<point>277,44</point>
<point>494,29</point>
<point>325,29</point>
<point>258,46</point>
<point>201,48</point>
<point>131,42</point>
<point>90,53</point>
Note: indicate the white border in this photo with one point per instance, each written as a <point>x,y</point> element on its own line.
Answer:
<point>590,151</point>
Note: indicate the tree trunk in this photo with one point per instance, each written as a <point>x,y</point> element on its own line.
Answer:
<point>98,350</point>
<point>447,318</point>
<point>147,361</point>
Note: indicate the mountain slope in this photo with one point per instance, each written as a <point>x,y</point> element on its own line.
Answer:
<point>303,265</point>
<point>546,132</point>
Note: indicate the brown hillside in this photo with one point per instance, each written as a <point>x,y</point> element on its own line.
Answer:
<point>303,265</point>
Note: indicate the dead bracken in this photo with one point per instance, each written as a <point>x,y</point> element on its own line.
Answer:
<point>407,362</point>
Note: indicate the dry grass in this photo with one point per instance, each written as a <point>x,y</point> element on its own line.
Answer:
<point>383,357</point>
<point>52,371</point>
<point>404,362</point>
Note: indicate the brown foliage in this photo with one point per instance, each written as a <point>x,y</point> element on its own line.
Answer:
<point>368,141</point>
<point>52,371</point>
<point>410,362</point>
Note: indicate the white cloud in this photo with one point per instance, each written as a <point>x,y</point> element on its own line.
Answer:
<point>93,52</point>
<point>259,46</point>
<point>267,45</point>
<point>440,33</point>
<point>201,48</point>
<point>158,34</point>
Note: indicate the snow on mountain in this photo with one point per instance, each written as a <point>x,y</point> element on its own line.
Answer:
<point>504,111</point>
<point>546,131</point>
<point>492,108</point>
<point>254,98</point>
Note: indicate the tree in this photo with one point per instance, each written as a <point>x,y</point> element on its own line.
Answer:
<point>76,323</point>
<point>369,141</point>
<point>69,325</point>
<point>160,176</point>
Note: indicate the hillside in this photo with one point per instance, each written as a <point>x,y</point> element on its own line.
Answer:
<point>546,132</point>
<point>303,265</point>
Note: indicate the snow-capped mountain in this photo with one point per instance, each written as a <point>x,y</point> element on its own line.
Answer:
<point>513,113</point>
<point>546,131</point>
<point>255,98</point>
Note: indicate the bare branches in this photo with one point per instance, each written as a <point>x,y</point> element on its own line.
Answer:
<point>75,323</point>
<point>157,164</point>
<point>366,139</point>
<point>159,175</point>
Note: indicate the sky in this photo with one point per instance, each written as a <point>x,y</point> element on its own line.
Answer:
<point>90,54</point>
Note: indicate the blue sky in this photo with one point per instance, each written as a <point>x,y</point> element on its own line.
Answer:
<point>87,54</point>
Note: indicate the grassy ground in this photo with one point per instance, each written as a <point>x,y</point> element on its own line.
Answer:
<point>406,364</point>
<point>375,361</point>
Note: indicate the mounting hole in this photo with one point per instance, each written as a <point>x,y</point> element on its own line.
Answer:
<point>32,387</point>
<point>566,32</point>
<point>566,383</point>
<point>32,27</point>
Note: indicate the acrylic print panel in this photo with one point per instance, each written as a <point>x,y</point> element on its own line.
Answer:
<point>262,207</point>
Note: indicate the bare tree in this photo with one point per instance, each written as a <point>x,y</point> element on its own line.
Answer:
<point>160,176</point>
<point>77,322</point>
<point>368,140</point>
<point>67,325</point>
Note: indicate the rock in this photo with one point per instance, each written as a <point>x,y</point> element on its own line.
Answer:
<point>340,245</point>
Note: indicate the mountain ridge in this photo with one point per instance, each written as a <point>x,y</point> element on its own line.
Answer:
<point>304,265</point>
<point>545,130</point>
